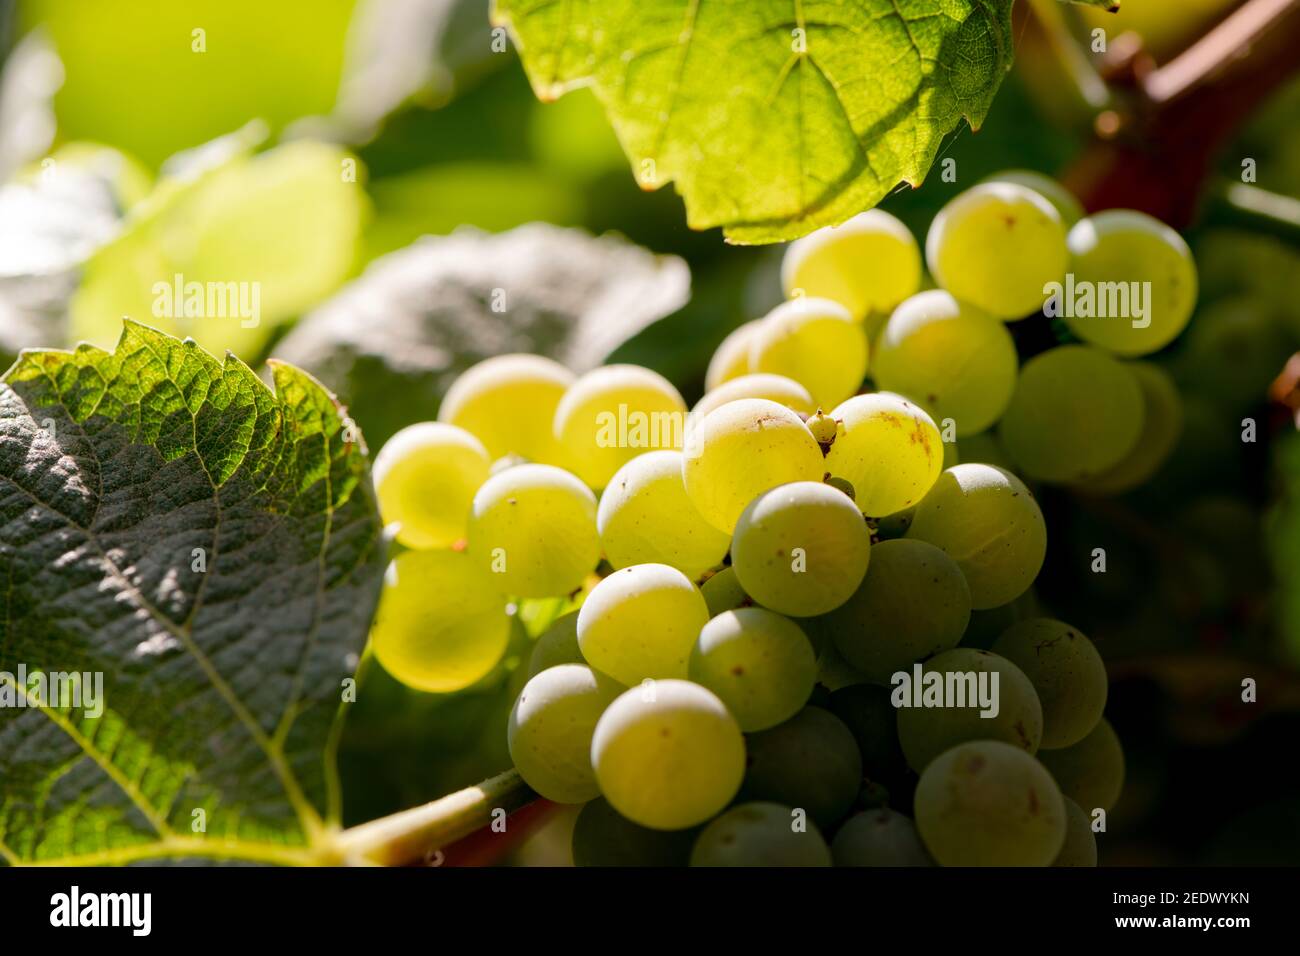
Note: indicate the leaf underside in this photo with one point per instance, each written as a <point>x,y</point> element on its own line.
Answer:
<point>211,548</point>
<point>773,117</point>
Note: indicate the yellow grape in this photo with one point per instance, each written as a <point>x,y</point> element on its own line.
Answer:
<point>508,402</point>
<point>731,358</point>
<point>888,449</point>
<point>817,343</point>
<point>425,478</point>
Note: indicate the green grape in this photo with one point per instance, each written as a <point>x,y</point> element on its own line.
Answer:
<point>817,343</point>
<point>956,361</point>
<point>1066,204</point>
<point>641,622</point>
<point>556,645</point>
<point>774,388</point>
<point>508,402</point>
<point>879,838</point>
<point>760,664</point>
<point>1066,671</point>
<point>984,449</point>
<point>1091,772</point>
<point>614,413</point>
<point>602,837</point>
<point>913,602</point>
<point>1080,846</point>
<point>668,755</point>
<point>955,714</point>
<point>987,625</point>
<point>441,624</point>
<point>742,449</point>
<point>1121,256</point>
<point>801,548</point>
<point>534,526</point>
<point>550,730</point>
<point>645,517</point>
<point>425,478</point>
<point>868,264</point>
<point>986,803</point>
<point>988,522</point>
<point>810,762</point>
<point>722,592</point>
<point>888,449</point>
<point>731,358</point>
<point>1075,414</point>
<point>873,720</point>
<point>996,246</point>
<point>1234,350</point>
<point>760,834</point>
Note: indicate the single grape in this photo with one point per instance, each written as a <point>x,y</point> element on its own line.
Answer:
<point>810,762</point>
<point>774,388</point>
<point>1120,257</point>
<point>760,834</point>
<point>760,664</point>
<point>425,478</point>
<point>722,592</point>
<point>534,528</point>
<point>1091,772</point>
<point>742,449</point>
<point>556,645</point>
<point>956,361</point>
<point>868,264</point>
<point>614,413</point>
<point>871,718</point>
<point>641,622</point>
<point>1066,204</point>
<point>1233,351</point>
<point>731,358</point>
<point>913,602</point>
<point>550,730</point>
<point>645,517</point>
<point>997,246</point>
<point>1162,424</point>
<point>888,449</point>
<point>441,624</point>
<point>602,837</point>
<point>817,343</point>
<point>954,711</point>
<point>508,402</point>
<point>988,522</point>
<point>1080,846</point>
<point>1076,413</point>
<point>879,838</point>
<point>1066,671</point>
<point>986,803</point>
<point>668,755</point>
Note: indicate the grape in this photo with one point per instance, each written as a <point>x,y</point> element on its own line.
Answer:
<point>534,526</point>
<point>895,525</point>
<point>987,625</point>
<point>986,803</point>
<point>810,762</point>
<point>1091,772</point>
<point>641,622</point>
<point>759,834</point>
<point>774,388</point>
<point>1066,671</point>
<point>1076,413</point>
<point>873,721</point>
<point>601,837</point>
<point>913,603</point>
<point>1114,249</point>
<point>868,264</point>
<point>441,624</point>
<point>1233,352</point>
<point>817,343</point>
<point>645,517</point>
<point>558,644</point>
<point>888,449</point>
<point>988,522</point>
<point>550,730</point>
<point>760,664</point>
<point>1080,846</point>
<point>742,449</point>
<point>668,755</point>
<point>731,358</point>
<point>425,478</point>
<point>1066,204</point>
<point>996,246</point>
<point>927,731</point>
<point>879,838</point>
<point>508,402</point>
<point>614,413</point>
<point>956,361</point>
<point>722,592</point>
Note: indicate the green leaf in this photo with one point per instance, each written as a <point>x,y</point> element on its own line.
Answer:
<point>773,117</point>
<point>211,550</point>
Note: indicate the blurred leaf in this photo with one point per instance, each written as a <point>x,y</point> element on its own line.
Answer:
<point>28,78</point>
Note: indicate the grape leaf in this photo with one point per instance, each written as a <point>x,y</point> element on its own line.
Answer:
<point>212,551</point>
<point>773,117</point>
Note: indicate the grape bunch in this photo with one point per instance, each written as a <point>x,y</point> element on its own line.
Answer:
<point>779,599</point>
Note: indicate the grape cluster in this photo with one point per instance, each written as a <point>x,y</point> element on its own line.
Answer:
<point>766,589</point>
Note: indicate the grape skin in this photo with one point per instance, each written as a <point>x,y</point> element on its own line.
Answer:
<point>1162,424</point>
<point>731,358</point>
<point>508,402</point>
<point>1091,772</point>
<point>888,449</point>
<point>817,343</point>
<point>1066,204</point>
<point>1066,671</point>
<point>425,478</point>
<point>879,838</point>
<point>722,592</point>
<point>759,834</point>
<point>810,762</point>
<point>1080,846</point>
<point>558,644</point>
<point>774,388</point>
<point>603,837</point>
